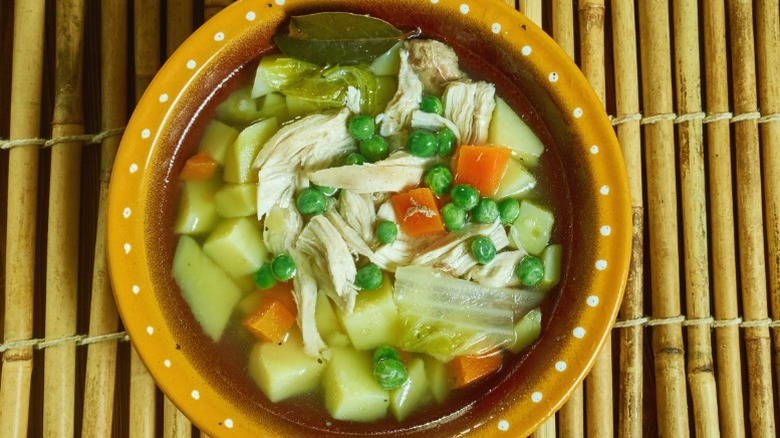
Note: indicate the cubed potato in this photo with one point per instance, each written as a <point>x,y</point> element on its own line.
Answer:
<point>197,211</point>
<point>532,228</point>
<point>328,324</point>
<point>275,105</point>
<point>517,181</point>
<point>551,257</point>
<point>209,291</point>
<point>349,388</point>
<point>236,200</point>
<point>508,129</point>
<point>240,108</point>
<point>527,330</point>
<point>283,371</point>
<point>414,393</point>
<point>389,63</point>
<point>374,321</point>
<point>217,138</point>
<point>237,246</point>
<point>438,378</point>
<point>241,154</point>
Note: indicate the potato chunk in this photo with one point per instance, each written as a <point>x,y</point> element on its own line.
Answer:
<point>283,371</point>
<point>351,393</point>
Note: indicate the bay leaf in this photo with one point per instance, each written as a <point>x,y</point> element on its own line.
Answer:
<point>329,38</point>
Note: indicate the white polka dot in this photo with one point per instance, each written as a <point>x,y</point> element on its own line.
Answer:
<point>578,332</point>
<point>219,36</point>
<point>434,1</point>
<point>127,248</point>
<point>536,397</point>
<point>146,133</point>
<point>251,15</point>
<point>163,98</point>
<point>560,366</point>
<point>133,168</point>
<point>553,77</point>
<point>577,112</point>
<point>464,8</point>
<point>496,28</point>
<point>167,363</point>
<point>604,190</point>
<point>191,64</point>
<point>592,301</point>
<point>126,212</point>
<point>606,230</point>
<point>601,264</point>
<point>278,2</point>
<point>594,149</point>
<point>195,394</point>
<point>503,425</point>
<point>136,289</point>
<point>150,330</point>
<point>526,50</point>
<point>228,421</point>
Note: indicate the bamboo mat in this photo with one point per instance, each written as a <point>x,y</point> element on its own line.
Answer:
<point>695,102</point>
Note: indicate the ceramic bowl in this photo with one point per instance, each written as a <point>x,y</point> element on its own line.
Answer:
<point>585,172</point>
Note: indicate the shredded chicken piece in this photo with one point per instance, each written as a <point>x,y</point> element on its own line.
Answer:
<point>402,251</point>
<point>433,122</point>
<point>310,143</point>
<point>397,173</point>
<point>305,294</point>
<point>354,242</point>
<point>470,106</point>
<point>500,272</point>
<point>407,99</point>
<point>353,99</point>
<point>281,228</point>
<point>331,258</point>
<point>452,252</point>
<point>358,211</point>
<point>434,62</point>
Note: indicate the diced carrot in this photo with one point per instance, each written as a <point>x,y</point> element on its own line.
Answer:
<point>482,167</point>
<point>468,369</point>
<point>417,212</point>
<point>200,166</point>
<point>274,316</point>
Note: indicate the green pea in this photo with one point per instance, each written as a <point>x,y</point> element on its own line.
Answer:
<point>326,190</point>
<point>422,143</point>
<point>454,217</point>
<point>438,178</point>
<point>385,352</point>
<point>264,278</point>
<point>390,374</point>
<point>485,212</point>
<point>431,104</point>
<point>530,271</point>
<point>311,201</point>
<point>465,196</point>
<point>484,250</point>
<point>369,277</point>
<point>508,210</point>
<point>374,148</point>
<point>445,142</point>
<point>361,127</point>
<point>283,267</point>
<point>386,232</point>
<point>354,159</point>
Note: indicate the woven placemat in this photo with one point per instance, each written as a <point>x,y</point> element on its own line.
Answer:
<point>695,103</point>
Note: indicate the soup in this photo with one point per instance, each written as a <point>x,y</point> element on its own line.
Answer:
<point>372,236</point>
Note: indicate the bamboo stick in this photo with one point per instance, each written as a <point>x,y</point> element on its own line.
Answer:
<point>212,7</point>
<point>571,419</point>
<point>176,425</point>
<point>769,93</point>
<point>531,9</point>
<point>750,225</point>
<point>627,103</point>
<point>598,384</point>
<point>101,357</point>
<point>668,346</point>
<point>26,82</point>
<point>146,38</point>
<point>724,265</point>
<point>700,367</point>
<point>563,25</point>
<point>63,225</point>
<point>180,22</point>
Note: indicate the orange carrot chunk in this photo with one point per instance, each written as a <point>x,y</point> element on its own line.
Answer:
<point>274,316</point>
<point>417,213</point>
<point>481,167</point>
<point>466,370</point>
<point>198,167</point>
